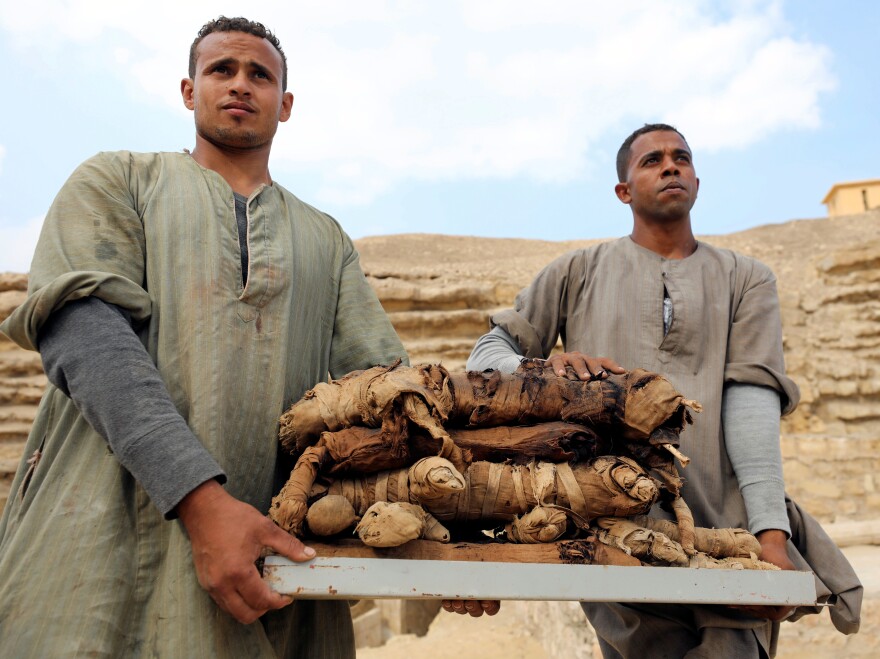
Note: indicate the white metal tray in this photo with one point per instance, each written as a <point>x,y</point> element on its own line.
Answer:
<point>337,577</point>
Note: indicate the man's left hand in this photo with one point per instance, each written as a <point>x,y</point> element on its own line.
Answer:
<point>474,608</point>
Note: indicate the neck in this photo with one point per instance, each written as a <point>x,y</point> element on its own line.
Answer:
<point>671,240</point>
<point>243,169</point>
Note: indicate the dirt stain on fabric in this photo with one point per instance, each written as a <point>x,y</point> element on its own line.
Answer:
<point>106,250</point>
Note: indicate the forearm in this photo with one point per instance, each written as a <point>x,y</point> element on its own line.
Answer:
<point>495,350</point>
<point>750,418</point>
<point>92,354</point>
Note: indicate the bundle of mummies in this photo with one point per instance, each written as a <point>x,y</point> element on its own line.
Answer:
<point>396,453</point>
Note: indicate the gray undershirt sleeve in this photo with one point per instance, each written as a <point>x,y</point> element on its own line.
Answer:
<point>92,354</point>
<point>750,418</point>
<point>495,350</point>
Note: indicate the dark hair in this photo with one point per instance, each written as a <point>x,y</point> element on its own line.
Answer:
<point>223,24</point>
<point>625,150</point>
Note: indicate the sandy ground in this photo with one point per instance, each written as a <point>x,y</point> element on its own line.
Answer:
<point>460,637</point>
<point>865,559</point>
<point>502,637</point>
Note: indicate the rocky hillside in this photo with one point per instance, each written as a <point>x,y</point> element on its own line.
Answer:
<point>440,291</point>
<point>21,386</point>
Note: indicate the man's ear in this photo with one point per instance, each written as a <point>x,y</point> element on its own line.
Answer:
<point>698,189</point>
<point>286,106</point>
<point>622,192</point>
<point>186,92</point>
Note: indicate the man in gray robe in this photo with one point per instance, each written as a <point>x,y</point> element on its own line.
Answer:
<point>180,302</point>
<point>709,320</point>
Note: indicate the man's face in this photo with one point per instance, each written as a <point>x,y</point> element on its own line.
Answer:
<point>236,93</point>
<point>661,183</point>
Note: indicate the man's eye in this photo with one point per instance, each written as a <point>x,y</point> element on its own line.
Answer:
<point>220,69</point>
<point>260,74</point>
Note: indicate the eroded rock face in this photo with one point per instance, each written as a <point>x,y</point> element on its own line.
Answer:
<point>21,386</point>
<point>440,291</point>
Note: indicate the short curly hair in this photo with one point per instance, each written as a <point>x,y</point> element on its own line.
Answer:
<point>239,24</point>
<point>625,151</point>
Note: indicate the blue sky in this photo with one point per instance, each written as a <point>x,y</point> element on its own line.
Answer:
<point>492,118</point>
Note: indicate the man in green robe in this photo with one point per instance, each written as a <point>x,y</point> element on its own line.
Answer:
<point>180,302</point>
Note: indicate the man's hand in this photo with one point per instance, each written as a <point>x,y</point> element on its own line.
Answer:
<point>586,367</point>
<point>475,608</point>
<point>773,550</point>
<point>227,537</point>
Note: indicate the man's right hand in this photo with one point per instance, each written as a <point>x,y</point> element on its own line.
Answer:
<point>586,367</point>
<point>227,537</point>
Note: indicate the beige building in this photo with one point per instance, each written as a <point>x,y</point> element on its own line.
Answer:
<point>853,197</point>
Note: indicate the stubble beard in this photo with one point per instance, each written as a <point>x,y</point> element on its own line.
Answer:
<point>673,212</point>
<point>238,138</point>
<point>663,213</point>
<point>233,137</point>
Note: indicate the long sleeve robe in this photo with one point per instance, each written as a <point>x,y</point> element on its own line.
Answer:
<point>607,301</point>
<point>88,566</point>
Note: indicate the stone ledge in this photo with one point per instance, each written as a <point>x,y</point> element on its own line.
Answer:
<point>854,532</point>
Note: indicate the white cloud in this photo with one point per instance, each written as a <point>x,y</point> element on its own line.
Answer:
<point>775,92</point>
<point>19,241</point>
<point>400,90</point>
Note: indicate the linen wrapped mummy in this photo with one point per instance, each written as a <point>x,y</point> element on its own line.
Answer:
<point>370,424</point>
<point>638,405</point>
<point>718,543</point>
<point>393,524</point>
<point>487,493</point>
<point>360,450</point>
<point>540,524</point>
<point>656,542</point>
<point>382,396</point>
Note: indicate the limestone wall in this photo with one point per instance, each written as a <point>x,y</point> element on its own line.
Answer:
<point>440,291</point>
<point>21,386</point>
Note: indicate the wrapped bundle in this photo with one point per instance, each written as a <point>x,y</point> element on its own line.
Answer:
<point>393,524</point>
<point>289,507</point>
<point>331,515</point>
<point>531,450</point>
<point>638,405</point>
<point>643,538</point>
<point>643,543</point>
<point>498,492</point>
<point>553,441</point>
<point>360,450</point>
<point>381,396</point>
<point>718,543</point>
<point>540,524</point>
<point>492,493</point>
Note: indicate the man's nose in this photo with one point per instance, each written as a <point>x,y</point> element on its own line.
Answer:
<point>670,167</point>
<point>240,85</point>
